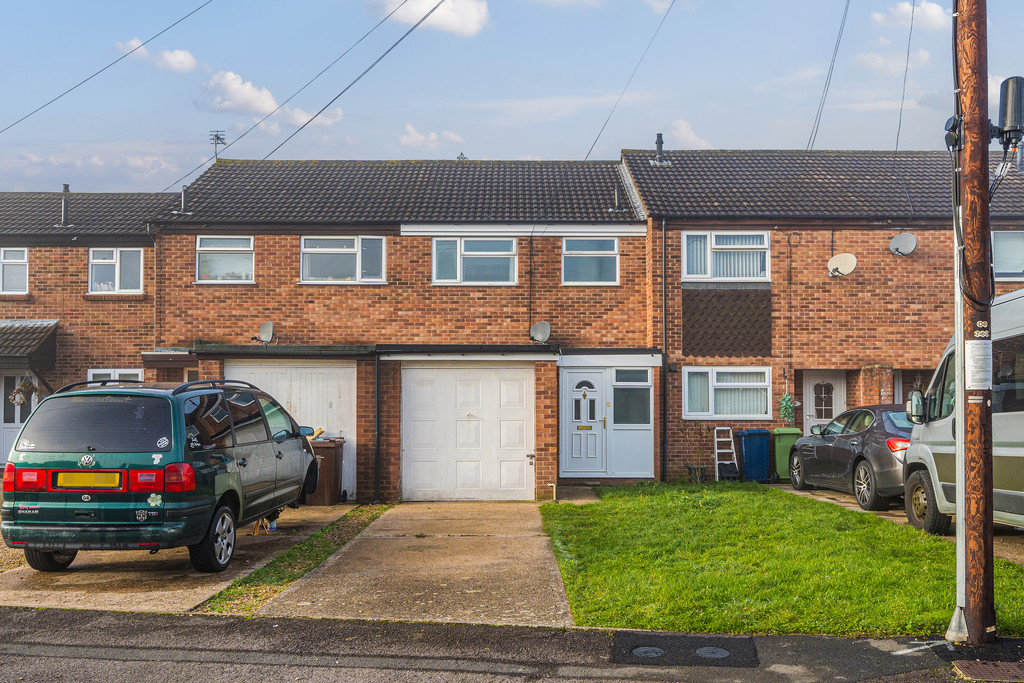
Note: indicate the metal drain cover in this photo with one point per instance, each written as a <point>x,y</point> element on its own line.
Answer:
<point>677,649</point>
<point>712,652</point>
<point>974,670</point>
<point>650,652</point>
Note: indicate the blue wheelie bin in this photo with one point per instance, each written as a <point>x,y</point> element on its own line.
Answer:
<point>754,447</point>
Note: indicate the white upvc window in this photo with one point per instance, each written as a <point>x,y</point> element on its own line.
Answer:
<point>631,397</point>
<point>1008,254</point>
<point>475,261</point>
<point>13,271</point>
<point>115,270</point>
<point>736,393</point>
<point>116,373</point>
<point>340,260</point>
<point>729,256</point>
<point>224,259</point>
<point>590,261</point>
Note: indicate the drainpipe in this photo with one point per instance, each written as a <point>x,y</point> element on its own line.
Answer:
<point>376,453</point>
<point>664,357</point>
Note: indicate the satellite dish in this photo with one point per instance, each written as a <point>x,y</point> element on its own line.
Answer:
<point>540,331</point>
<point>266,333</point>
<point>903,244</point>
<point>841,264</point>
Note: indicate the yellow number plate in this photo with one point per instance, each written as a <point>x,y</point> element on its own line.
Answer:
<point>89,480</point>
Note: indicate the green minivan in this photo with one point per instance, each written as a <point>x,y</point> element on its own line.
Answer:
<point>119,465</point>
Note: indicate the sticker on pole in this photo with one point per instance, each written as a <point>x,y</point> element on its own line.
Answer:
<point>978,365</point>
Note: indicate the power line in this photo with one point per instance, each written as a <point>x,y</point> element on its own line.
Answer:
<point>83,82</point>
<point>899,122</point>
<point>356,80</point>
<point>291,97</point>
<point>828,80</point>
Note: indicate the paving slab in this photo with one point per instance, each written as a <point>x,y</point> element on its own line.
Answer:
<point>137,581</point>
<point>474,563</point>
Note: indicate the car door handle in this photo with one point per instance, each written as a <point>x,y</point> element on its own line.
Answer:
<point>243,462</point>
<point>280,455</point>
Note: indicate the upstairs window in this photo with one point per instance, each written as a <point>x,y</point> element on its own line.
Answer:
<point>1008,255</point>
<point>115,270</point>
<point>224,259</point>
<point>590,261</point>
<point>342,259</point>
<point>13,271</point>
<point>474,261</point>
<point>119,373</point>
<point>725,256</point>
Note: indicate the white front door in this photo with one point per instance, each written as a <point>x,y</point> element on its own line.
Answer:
<point>14,415</point>
<point>824,397</point>
<point>583,410</point>
<point>468,433</point>
<point>316,393</point>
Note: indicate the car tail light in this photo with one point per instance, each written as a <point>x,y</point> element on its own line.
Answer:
<point>26,480</point>
<point>898,447</point>
<point>146,481</point>
<point>179,477</point>
<point>9,478</point>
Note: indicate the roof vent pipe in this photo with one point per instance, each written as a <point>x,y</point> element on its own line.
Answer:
<point>64,205</point>
<point>184,199</point>
<point>659,158</point>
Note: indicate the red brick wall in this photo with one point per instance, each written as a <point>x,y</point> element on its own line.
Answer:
<point>546,411</point>
<point>96,331</point>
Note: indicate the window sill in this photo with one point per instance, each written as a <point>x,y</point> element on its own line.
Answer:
<point>590,284</point>
<point>475,284</point>
<point>244,283</point>
<point>726,284</point>
<point>723,418</point>
<point>15,297</point>
<point>114,296</point>
<point>332,283</point>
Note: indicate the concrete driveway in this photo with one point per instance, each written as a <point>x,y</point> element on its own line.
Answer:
<point>135,581</point>
<point>475,563</point>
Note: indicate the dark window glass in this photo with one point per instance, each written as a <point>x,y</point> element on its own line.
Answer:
<point>897,421</point>
<point>836,426</point>
<point>247,418</point>
<point>1008,371</point>
<point>943,392</point>
<point>632,405</point>
<point>8,406</point>
<point>277,418</point>
<point>100,423</point>
<point>861,421</point>
<point>576,409</point>
<point>207,425</point>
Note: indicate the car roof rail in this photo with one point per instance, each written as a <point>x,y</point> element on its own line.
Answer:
<point>97,382</point>
<point>213,384</point>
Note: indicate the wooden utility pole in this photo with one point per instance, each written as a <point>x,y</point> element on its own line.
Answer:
<point>975,394</point>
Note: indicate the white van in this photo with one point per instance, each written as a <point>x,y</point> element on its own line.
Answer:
<point>930,467</point>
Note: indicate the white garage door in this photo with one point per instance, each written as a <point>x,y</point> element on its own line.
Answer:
<point>316,393</point>
<point>467,433</point>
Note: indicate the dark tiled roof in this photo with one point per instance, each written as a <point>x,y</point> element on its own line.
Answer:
<point>815,184</point>
<point>393,192</point>
<point>22,338</point>
<point>90,213</point>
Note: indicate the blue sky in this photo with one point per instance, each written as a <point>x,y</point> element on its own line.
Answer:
<point>492,79</point>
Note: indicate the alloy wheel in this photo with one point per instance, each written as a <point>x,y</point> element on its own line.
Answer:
<point>224,539</point>
<point>862,484</point>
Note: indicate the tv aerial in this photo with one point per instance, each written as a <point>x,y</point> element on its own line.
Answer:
<point>841,264</point>
<point>903,244</point>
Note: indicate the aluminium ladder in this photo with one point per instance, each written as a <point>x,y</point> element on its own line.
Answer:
<point>726,465</point>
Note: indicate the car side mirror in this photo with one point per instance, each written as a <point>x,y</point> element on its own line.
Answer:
<point>282,436</point>
<point>816,430</point>
<point>305,431</point>
<point>916,408</point>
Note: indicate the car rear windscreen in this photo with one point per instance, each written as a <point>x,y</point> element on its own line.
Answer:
<point>98,423</point>
<point>899,421</point>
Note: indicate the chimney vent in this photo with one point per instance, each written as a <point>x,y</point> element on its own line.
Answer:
<point>659,158</point>
<point>64,215</point>
<point>184,203</point>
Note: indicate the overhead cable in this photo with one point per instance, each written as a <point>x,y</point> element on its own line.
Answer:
<point>828,80</point>
<point>86,80</point>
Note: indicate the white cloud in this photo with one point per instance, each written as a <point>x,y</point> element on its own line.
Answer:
<point>550,109</point>
<point>461,17</point>
<point>928,15</point>
<point>801,77</point>
<point>892,65</point>
<point>413,138</point>
<point>181,61</point>
<point>235,95</point>
<point>130,45</point>
<point>682,132</point>
<point>878,105</point>
<point>298,117</point>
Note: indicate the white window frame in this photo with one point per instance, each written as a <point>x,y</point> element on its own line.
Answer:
<point>6,260</point>
<point>357,250</point>
<point>225,250</point>
<point>116,262</point>
<point>712,372</point>
<point>710,247</point>
<point>1006,278</point>
<point>584,253</point>
<point>648,384</point>
<point>116,373</point>
<point>461,255</point>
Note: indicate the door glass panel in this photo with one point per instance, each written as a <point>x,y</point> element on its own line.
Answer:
<point>207,426</point>
<point>592,409</point>
<point>824,402</point>
<point>576,409</point>
<point>632,405</point>
<point>245,413</point>
<point>8,406</point>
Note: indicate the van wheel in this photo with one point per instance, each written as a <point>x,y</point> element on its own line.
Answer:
<point>214,552</point>
<point>864,488</point>
<point>49,561</point>
<point>922,512</point>
<point>796,472</point>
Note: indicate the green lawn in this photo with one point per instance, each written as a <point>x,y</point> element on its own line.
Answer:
<point>743,558</point>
